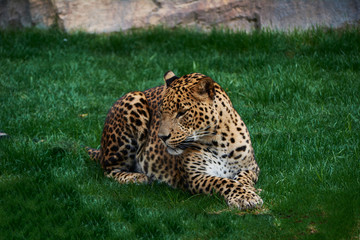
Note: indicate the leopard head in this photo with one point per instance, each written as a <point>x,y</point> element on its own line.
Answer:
<point>187,112</point>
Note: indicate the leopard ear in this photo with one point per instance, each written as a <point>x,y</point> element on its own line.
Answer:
<point>169,77</point>
<point>205,88</point>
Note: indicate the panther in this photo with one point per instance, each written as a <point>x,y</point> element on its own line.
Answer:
<point>185,133</point>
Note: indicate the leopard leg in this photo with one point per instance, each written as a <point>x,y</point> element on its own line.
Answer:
<point>247,178</point>
<point>235,194</point>
<point>125,131</point>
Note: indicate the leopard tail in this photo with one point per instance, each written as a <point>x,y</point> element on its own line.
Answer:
<point>94,154</point>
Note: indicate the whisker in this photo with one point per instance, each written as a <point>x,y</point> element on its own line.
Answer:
<point>191,141</point>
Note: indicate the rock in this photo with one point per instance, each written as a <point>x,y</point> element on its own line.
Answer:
<point>104,15</point>
<point>27,13</point>
<point>239,15</point>
<point>14,13</point>
<point>121,15</point>
<point>305,14</point>
<point>43,14</point>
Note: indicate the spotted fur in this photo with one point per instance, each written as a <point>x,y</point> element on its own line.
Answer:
<point>185,133</point>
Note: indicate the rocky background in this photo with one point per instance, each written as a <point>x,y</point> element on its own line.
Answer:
<point>121,15</point>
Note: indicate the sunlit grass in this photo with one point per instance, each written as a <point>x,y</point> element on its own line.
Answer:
<point>297,92</point>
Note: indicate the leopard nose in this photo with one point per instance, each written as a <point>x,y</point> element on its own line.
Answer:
<point>164,137</point>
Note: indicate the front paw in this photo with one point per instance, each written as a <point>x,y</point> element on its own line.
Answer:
<point>248,199</point>
<point>138,178</point>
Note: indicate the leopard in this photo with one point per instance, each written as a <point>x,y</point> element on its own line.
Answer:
<point>185,133</point>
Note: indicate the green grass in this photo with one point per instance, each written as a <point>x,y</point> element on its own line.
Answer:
<point>297,92</point>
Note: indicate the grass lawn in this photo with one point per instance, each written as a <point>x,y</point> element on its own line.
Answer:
<point>298,93</point>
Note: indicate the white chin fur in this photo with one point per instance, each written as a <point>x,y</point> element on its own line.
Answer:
<point>174,151</point>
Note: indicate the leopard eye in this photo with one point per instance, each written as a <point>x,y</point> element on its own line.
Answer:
<point>181,113</point>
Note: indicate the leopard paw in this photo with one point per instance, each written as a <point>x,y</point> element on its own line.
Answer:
<point>127,177</point>
<point>138,178</point>
<point>247,200</point>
